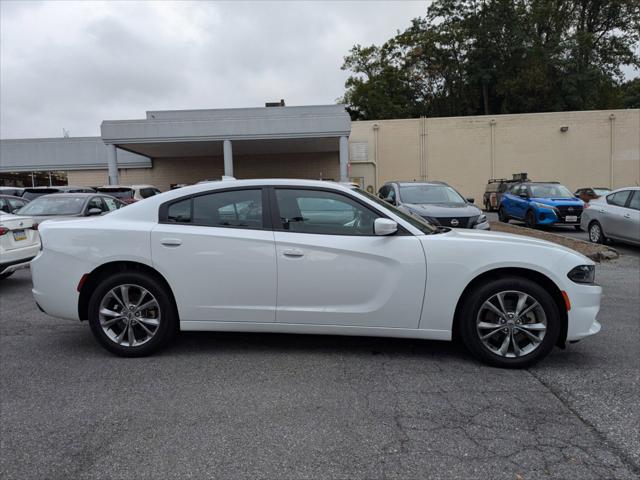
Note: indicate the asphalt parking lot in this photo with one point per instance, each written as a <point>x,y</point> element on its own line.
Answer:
<point>316,407</point>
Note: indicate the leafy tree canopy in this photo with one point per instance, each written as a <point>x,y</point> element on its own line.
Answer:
<point>469,57</point>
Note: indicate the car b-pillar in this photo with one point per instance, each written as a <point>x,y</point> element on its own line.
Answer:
<point>228,158</point>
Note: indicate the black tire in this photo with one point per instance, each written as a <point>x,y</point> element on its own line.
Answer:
<point>530,219</point>
<point>487,207</point>
<point>168,316</point>
<point>6,275</point>
<point>502,215</point>
<point>470,334</point>
<point>596,233</point>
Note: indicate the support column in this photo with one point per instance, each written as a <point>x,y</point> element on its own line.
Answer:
<point>228,158</point>
<point>344,159</point>
<point>112,162</point>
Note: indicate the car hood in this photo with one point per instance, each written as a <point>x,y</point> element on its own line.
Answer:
<point>559,202</point>
<point>439,211</point>
<point>498,238</point>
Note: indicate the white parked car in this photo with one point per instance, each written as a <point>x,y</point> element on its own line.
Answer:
<point>301,256</point>
<point>19,243</point>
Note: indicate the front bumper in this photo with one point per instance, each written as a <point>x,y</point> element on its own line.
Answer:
<point>546,216</point>
<point>482,226</point>
<point>585,305</point>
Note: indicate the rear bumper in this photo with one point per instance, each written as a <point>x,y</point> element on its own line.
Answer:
<point>18,258</point>
<point>54,285</point>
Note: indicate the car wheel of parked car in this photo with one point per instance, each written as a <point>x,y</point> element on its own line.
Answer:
<point>6,275</point>
<point>596,235</point>
<point>509,322</point>
<point>131,314</point>
<point>502,215</point>
<point>487,207</point>
<point>530,219</point>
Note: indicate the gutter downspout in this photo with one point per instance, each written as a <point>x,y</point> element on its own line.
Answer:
<point>492,123</point>
<point>612,125</point>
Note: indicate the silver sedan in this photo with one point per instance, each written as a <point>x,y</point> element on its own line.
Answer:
<point>615,216</point>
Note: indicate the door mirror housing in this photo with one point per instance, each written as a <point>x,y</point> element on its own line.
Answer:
<point>384,226</point>
<point>390,200</point>
<point>94,211</point>
<point>523,195</point>
<point>471,200</point>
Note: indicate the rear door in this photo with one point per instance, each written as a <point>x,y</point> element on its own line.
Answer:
<point>217,252</point>
<point>616,219</point>
<point>333,270</point>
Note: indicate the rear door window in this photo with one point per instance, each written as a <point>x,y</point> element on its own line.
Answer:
<point>236,208</point>
<point>619,199</point>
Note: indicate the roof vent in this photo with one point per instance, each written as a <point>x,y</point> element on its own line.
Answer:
<point>275,104</point>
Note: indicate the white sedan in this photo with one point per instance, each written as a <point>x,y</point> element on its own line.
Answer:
<point>297,256</point>
<point>19,243</point>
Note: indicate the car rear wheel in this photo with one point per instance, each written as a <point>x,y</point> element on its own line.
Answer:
<point>530,219</point>
<point>502,215</point>
<point>596,235</point>
<point>511,322</point>
<point>131,314</point>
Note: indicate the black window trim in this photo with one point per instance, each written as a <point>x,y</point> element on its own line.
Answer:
<point>266,214</point>
<point>277,224</point>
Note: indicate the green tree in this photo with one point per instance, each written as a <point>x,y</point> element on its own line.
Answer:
<point>468,57</point>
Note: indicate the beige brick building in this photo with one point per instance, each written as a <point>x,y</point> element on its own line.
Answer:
<point>593,148</point>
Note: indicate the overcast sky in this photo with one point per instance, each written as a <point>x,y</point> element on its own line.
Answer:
<point>71,65</point>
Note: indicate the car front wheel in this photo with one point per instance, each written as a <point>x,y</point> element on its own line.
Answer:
<point>510,322</point>
<point>530,219</point>
<point>502,215</point>
<point>131,314</point>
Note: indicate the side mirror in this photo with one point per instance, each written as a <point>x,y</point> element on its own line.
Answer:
<point>523,195</point>
<point>471,200</point>
<point>390,200</point>
<point>94,211</point>
<point>384,226</point>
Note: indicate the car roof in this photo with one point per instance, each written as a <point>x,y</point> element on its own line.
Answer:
<point>403,183</point>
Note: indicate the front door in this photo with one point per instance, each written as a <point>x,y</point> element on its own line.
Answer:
<point>217,251</point>
<point>332,269</point>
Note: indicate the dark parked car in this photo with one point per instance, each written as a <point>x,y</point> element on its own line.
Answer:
<point>588,194</point>
<point>436,202</point>
<point>496,187</point>
<point>64,205</point>
<point>11,204</point>
<point>35,192</point>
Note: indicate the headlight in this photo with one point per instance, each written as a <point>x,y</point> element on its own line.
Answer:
<point>481,219</point>
<point>543,205</point>
<point>583,274</point>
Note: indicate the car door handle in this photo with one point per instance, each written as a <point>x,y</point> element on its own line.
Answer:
<point>601,211</point>
<point>627,215</point>
<point>171,242</point>
<point>293,252</point>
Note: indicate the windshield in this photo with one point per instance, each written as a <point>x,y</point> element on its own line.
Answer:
<point>431,194</point>
<point>415,220</point>
<point>118,192</point>
<point>550,190</point>
<point>53,205</point>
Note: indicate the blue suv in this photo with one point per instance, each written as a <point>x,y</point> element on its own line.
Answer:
<point>538,203</point>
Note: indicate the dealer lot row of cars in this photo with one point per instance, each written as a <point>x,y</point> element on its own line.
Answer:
<point>296,256</point>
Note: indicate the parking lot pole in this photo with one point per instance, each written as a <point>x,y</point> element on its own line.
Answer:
<point>112,161</point>
<point>228,158</point>
<point>344,159</point>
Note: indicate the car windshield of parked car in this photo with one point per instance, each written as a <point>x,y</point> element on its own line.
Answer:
<point>550,190</point>
<point>430,194</point>
<point>118,192</point>
<point>147,192</point>
<point>35,193</point>
<point>415,220</point>
<point>54,205</point>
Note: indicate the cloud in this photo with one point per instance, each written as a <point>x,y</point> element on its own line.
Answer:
<point>74,64</point>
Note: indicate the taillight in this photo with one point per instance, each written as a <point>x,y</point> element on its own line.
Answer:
<point>3,231</point>
<point>586,204</point>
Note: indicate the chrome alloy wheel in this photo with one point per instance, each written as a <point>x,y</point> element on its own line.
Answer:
<point>511,324</point>
<point>595,233</point>
<point>129,315</point>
